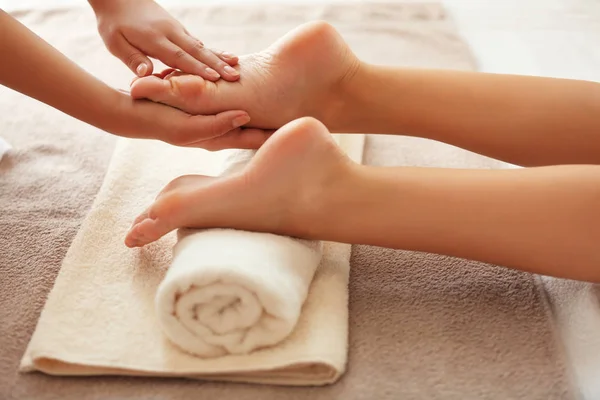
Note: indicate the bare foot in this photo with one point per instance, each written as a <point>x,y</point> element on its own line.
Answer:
<point>283,190</point>
<point>302,74</point>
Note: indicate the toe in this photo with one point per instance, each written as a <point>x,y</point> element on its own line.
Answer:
<point>181,91</point>
<point>177,206</point>
<point>146,232</point>
<point>132,237</point>
<point>151,88</point>
<point>140,218</point>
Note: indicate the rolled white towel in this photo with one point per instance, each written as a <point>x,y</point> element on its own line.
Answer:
<point>232,292</point>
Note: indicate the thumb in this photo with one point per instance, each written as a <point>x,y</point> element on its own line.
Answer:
<point>198,128</point>
<point>137,62</point>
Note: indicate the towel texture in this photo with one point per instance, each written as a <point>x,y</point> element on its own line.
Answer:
<point>232,292</point>
<point>576,306</point>
<point>421,326</point>
<point>105,293</point>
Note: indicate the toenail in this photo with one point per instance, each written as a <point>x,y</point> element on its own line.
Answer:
<point>231,71</point>
<point>212,73</point>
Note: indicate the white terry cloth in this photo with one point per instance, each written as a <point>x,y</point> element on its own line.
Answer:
<point>233,291</point>
<point>576,308</point>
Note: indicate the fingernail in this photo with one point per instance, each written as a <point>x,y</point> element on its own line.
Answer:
<point>212,73</point>
<point>240,120</point>
<point>227,55</point>
<point>141,69</point>
<point>231,71</point>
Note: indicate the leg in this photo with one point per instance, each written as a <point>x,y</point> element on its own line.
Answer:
<point>543,220</point>
<point>524,120</point>
<point>311,72</point>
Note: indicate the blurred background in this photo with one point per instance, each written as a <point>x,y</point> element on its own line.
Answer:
<point>556,38</point>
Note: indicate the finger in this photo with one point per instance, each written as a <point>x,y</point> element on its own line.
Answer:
<point>196,49</point>
<point>226,56</point>
<point>249,139</point>
<point>204,127</point>
<point>131,56</point>
<point>176,57</point>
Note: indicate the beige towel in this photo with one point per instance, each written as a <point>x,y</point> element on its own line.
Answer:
<point>100,317</point>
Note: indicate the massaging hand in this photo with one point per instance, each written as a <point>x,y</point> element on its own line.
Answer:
<point>302,74</point>
<point>148,120</point>
<point>33,67</point>
<point>134,30</point>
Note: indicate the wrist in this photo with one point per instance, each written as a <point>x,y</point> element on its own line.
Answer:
<point>120,119</point>
<point>104,6</point>
<point>99,6</point>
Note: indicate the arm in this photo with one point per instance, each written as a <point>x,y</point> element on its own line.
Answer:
<point>524,120</point>
<point>544,220</point>
<point>33,67</point>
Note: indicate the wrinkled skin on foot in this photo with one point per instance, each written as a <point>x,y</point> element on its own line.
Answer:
<point>277,192</point>
<point>302,74</point>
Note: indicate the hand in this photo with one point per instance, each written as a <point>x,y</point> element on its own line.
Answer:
<point>34,68</point>
<point>134,30</point>
<point>144,119</point>
<point>305,73</point>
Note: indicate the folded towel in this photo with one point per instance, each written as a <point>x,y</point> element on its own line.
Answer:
<point>109,310</point>
<point>233,291</point>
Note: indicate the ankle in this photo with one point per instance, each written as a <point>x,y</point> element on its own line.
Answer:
<point>346,92</point>
<point>320,211</point>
